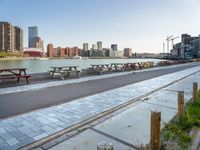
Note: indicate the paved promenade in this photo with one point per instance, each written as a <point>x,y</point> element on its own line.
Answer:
<point>129,129</point>
<point>22,99</point>
<point>24,129</point>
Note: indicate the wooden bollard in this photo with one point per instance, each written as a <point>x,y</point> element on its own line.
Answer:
<point>105,146</point>
<point>155,131</point>
<point>180,104</point>
<point>194,92</point>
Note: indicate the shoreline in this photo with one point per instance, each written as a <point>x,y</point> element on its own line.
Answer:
<point>38,58</point>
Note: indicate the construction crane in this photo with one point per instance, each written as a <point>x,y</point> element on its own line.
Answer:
<point>168,39</point>
<point>172,39</point>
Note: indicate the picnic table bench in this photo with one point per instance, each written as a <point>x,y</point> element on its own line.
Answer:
<point>6,74</point>
<point>65,71</point>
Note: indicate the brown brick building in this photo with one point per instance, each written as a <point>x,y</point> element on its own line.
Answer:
<point>61,52</point>
<point>11,37</point>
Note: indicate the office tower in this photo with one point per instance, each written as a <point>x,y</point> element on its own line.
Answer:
<point>85,46</point>
<point>99,45</point>
<point>114,47</point>
<point>11,37</point>
<point>32,33</point>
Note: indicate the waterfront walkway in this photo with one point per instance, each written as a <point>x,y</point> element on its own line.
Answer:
<point>24,129</point>
<point>26,98</point>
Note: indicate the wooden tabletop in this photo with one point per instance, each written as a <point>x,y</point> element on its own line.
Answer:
<point>65,67</point>
<point>12,69</point>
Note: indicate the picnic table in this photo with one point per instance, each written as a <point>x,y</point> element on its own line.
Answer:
<point>12,73</point>
<point>118,66</point>
<point>99,68</point>
<point>64,71</point>
<point>132,66</point>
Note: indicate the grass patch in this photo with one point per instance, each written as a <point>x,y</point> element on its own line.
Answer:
<point>178,130</point>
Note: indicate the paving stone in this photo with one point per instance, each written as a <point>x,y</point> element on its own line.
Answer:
<point>62,138</point>
<point>49,144</point>
<point>12,141</point>
<point>2,130</point>
<point>26,142</point>
<point>6,136</point>
<point>1,141</point>
<point>37,149</point>
<point>38,137</point>
<point>72,133</point>
<point>4,146</point>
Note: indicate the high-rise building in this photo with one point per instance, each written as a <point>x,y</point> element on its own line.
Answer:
<point>99,45</point>
<point>114,47</point>
<point>38,43</point>
<point>32,33</point>
<point>94,47</point>
<point>11,37</point>
<point>18,39</point>
<point>85,46</point>
<point>127,52</point>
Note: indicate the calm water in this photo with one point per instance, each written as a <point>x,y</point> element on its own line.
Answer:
<point>37,66</point>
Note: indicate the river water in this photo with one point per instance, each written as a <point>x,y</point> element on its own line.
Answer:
<point>38,66</point>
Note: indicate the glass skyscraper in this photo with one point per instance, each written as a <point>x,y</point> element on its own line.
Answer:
<point>32,34</point>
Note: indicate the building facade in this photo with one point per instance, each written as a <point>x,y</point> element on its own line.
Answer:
<point>114,47</point>
<point>99,45</point>
<point>85,46</point>
<point>127,52</point>
<point>188,48</point>
<point>62,52</point>
<point>11,37</point>
<point>18,39</point>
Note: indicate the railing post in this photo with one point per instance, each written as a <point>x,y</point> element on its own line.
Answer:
<point>180,104</point>
<point>155,131</point>
<point>105,146</point>
<point>194,92</point>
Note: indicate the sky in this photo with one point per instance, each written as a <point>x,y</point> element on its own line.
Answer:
<point>142,25</point>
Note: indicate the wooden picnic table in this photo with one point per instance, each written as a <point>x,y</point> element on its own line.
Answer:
<point>12,73</point>
<point>64,71</point>
<point>132,66</point>
<point>116,66</point>
<point>99,68</point>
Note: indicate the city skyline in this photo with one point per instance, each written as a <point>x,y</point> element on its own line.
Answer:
<point>142,26</point>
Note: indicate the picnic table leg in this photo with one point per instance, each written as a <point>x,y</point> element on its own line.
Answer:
<point>78,74</point>
<point>140,65</point>
<point>27,82</point>
<point>20,72</point>
<point>115,67</point>
<point>61,76</point>
<point>52,74</point>
<point>67,74</point>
